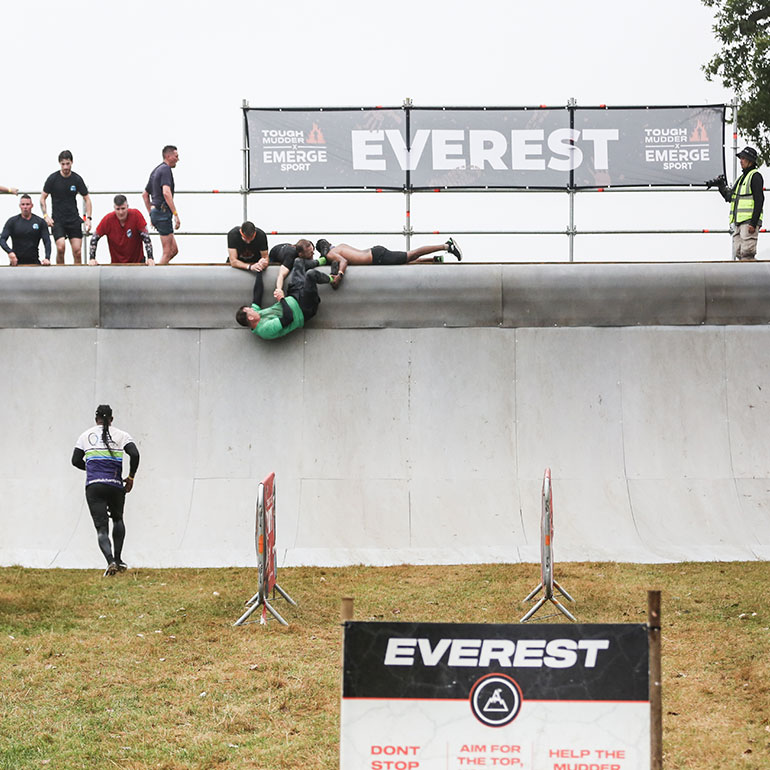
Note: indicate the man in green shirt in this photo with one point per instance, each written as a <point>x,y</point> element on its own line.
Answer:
<point>292,311</point>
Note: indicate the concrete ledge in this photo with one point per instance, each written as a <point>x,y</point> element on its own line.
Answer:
<point>409,296</point>
<point>49,297</point>
<point>189,297</point>
<point>737,293</point>
<point>603,295</point>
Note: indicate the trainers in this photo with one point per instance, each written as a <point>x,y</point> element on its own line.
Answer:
<point>323,246</point>
<point>438,258</point>
<point>122,566</point>
<point>111,569</point>
<point>454,249</point>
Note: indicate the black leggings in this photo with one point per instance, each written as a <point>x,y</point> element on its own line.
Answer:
<point>106,501</point>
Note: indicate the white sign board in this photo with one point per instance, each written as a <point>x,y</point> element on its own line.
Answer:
<point>440,696</point>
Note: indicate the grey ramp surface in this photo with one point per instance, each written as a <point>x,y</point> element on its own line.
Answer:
<point>417,444</point>
<point>426,447</point>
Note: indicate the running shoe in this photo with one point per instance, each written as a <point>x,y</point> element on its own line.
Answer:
<point>438,258</point>
<point>122,566</point>
<point>454,249</point>
<point>112,568</point>
<point>323,246</point>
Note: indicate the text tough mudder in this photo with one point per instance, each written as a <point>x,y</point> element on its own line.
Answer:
<point>526,653</point>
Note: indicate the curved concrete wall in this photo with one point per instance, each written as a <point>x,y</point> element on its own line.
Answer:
<point>411,296</point>
<point>410,422</point>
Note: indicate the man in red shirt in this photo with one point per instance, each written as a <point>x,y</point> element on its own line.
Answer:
<point>125,230</point>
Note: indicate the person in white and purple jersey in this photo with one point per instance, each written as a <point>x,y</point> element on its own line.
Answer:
<point>99,452</point>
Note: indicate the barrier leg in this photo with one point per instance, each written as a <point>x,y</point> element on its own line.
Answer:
<point>243,618</point>
<point>562,592</point>
<point>285,595</point>
<point>540,602</point>
<point>251,601</point>
<point>274,613</point>
<point>532,594</point>
<point>559,606</point>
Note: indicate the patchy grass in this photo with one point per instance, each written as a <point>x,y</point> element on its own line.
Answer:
<point>144,670</point>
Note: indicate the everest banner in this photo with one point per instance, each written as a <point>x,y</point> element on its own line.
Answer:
<point>416,148</point>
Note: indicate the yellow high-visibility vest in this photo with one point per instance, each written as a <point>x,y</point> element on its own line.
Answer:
<point>742,203</point>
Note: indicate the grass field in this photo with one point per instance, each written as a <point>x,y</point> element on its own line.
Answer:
<point>144,670</point>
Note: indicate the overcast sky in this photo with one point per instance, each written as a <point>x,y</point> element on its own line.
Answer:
<point>114,82</point>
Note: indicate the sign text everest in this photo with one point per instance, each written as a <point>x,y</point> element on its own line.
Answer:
<point>528,149</point>
<point>482,653</point>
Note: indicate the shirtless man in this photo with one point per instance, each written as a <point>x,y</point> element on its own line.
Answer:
<point>343,255</point>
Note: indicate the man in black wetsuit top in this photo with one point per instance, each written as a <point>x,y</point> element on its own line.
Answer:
<point>26,230</point>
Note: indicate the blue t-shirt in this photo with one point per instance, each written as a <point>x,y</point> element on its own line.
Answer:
<point>161,175</point>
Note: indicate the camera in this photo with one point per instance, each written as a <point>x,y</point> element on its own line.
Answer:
<point>717,181</point>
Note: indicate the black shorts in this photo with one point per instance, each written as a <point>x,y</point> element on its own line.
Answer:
<point>383,256</point>
<point>71,229</point>
<point>105,500</point>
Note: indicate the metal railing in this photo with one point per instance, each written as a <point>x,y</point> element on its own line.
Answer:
<point>407,231</point>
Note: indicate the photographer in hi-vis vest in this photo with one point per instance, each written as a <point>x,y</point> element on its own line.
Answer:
<point>746,199</point>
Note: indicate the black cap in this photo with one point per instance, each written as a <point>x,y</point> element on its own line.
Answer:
<point>749,153</point>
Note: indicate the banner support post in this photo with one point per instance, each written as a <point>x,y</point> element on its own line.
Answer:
<point>571,104</point>
<point>734,120</point>
<point>408,186</point>
<point>734,105</point>
<point>245,151</point>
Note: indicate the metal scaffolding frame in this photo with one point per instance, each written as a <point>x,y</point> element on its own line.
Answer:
<point>407,231</point>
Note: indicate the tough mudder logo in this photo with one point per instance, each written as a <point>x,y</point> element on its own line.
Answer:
<point>676,148</point>
<point>495,700</point>
<point>293,150</point>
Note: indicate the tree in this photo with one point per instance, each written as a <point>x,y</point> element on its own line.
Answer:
<point>743,64</point>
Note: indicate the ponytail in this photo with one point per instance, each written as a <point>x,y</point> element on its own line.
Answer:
<point>104,413</point>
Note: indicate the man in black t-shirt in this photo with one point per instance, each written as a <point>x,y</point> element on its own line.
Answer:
<point>63,187</point>
<point>247,247</point>
<point>247,250</point>
<point>26,230</point>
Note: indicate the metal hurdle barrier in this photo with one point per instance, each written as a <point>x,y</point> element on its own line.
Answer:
<point>547,581</point>
<point>266,558</point>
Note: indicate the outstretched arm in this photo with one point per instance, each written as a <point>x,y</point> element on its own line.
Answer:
<point>283,271</point>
